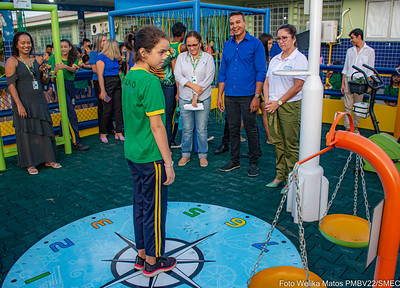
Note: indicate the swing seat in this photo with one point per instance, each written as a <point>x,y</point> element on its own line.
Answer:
<point>345,230</point>
<point>284,276</point>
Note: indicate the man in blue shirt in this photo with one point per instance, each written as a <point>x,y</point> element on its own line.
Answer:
<point>241,77</point>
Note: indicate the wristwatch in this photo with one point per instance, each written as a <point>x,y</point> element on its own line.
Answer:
<point>280,102</point>
<point>257,95</point>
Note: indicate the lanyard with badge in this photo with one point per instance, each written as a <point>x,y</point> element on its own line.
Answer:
<point>195,64</point>
<point>31,70</point>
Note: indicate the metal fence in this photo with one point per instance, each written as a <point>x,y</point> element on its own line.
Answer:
<point>84,102</point>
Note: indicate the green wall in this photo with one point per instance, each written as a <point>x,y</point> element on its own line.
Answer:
<point>357,15</point>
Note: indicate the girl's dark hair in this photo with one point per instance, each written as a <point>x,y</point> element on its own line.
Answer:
<point>196,35</point>
<point>85,58</point>
<point>123,66</point>
<point>72,54</point>
<point>128,41</point>
<point>78,49</point>
<point>147,38</point>
<point>264,38</point>
<point>14,49</point>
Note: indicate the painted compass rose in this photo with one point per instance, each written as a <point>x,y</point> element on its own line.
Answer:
<point>186,254</point>
<point>215,247</point>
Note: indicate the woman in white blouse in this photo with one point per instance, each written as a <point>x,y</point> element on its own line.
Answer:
<point>194,72</point>
<point>283,103</point>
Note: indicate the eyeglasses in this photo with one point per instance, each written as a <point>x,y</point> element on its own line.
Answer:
<point>283,38</point>
<point>192,45</point>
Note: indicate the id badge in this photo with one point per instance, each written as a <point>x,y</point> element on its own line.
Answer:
<point>35,85</point>
<point>193,79</point>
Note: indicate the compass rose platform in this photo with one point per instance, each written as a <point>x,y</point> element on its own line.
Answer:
<point>214,246</point>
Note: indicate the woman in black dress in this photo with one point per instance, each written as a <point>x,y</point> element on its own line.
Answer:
<point>31,115</point>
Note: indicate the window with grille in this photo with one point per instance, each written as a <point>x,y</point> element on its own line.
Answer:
<point>279,15</point>
<point>66,33</point>
<point>332,10</point>
<point>382,20</point>
<point>46,38</point>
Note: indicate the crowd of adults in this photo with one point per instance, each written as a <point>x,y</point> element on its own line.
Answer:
<point>246,82</point>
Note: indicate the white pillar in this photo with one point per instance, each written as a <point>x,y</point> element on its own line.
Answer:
<point>314,186</point>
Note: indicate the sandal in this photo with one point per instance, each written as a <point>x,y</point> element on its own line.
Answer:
<point>203,162</point>
<point>32,170</point>
<point>54,165</point>
<point>183,161</point>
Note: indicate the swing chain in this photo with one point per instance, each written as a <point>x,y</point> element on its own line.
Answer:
<point>337,188</point>
<point>365,193</point>
<point>356,186</point>
<point>303,251</point>
<point>273,225</point>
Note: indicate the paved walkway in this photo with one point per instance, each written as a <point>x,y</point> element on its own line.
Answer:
<point>97,180</point>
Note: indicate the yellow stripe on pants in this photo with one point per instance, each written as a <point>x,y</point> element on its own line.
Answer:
<point>159,211</point>
<point>155,213</point>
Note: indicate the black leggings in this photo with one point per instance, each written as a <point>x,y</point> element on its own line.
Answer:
<point>112,85</point>
<point>110,126</point>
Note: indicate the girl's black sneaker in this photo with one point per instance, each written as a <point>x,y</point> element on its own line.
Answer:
<point>162,265</point>
<point>139,263</point>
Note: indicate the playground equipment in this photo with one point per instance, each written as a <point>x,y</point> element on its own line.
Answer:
<point>211,20</point>
<point>65,139</point>
<point>348,230</point>
<point>276,276</point>
<point>389,238</point>
<point>385,141</point>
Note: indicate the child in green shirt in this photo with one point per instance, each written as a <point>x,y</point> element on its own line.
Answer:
<point>147,150</point>
<point>69,65</point>
<point>392,89</point>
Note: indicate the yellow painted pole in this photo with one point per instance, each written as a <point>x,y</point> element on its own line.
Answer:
<point>330,52</point>
<point>2,158</point>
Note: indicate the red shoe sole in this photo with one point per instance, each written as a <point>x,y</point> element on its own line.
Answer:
<point>158,271</point>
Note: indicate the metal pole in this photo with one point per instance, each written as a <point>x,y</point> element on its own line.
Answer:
<point>311,114</point>
<point>111,26</point>
<point>313,195</point>
<point>60,80</point>
<point>267,16</point>
<point>196,16</point>
<point>314,186</point>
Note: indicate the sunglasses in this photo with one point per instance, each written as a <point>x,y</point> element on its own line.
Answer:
<point>192,45</point>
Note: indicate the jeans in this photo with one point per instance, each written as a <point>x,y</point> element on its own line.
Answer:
<point>238,107</point>
<point>188,120</point>
<point>170,104</point>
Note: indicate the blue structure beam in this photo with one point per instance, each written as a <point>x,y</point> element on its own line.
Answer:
<point>195,5</point>
<point>83,8</point>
